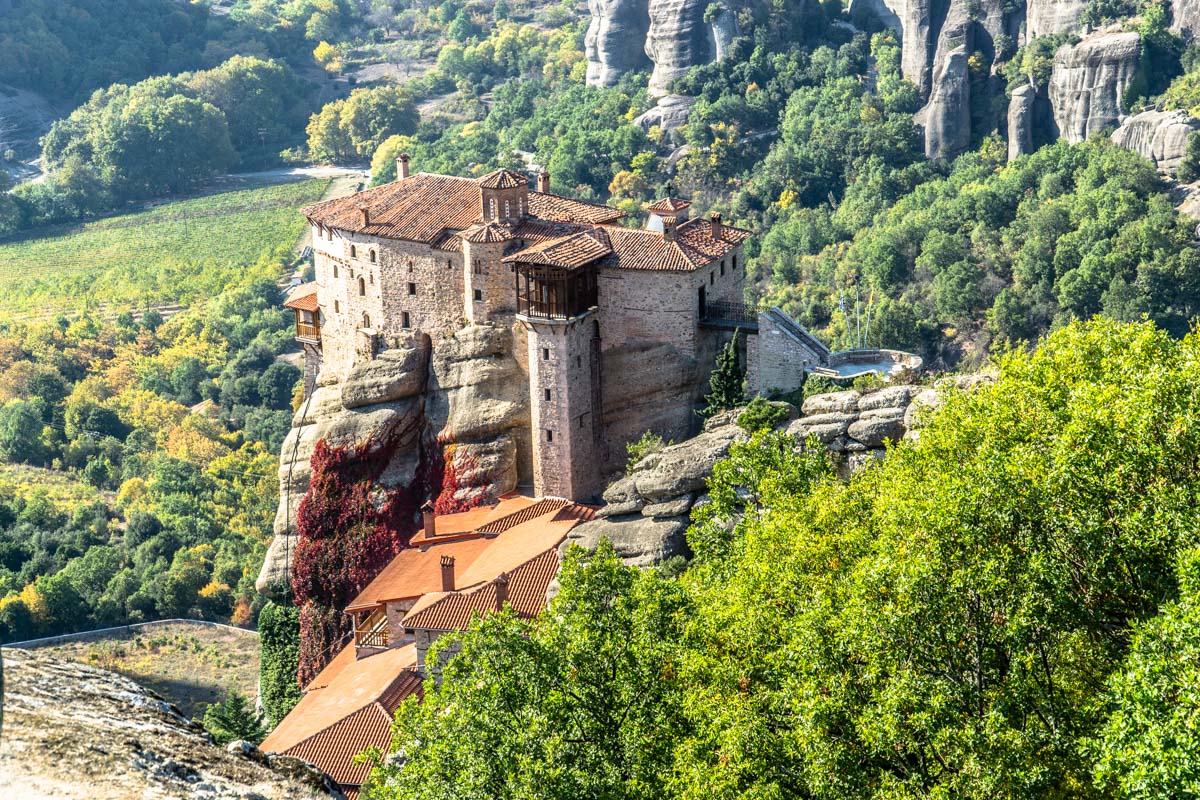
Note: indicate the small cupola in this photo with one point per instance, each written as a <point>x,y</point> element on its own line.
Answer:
<point>503,196</point>
<point>674,208</point>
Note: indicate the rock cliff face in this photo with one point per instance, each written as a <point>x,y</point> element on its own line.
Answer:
<point>1185,16</point>
<point>1020,121</point>
<point>947,117</point>
<point>670,36</point>
<point>1047,17</point>
<point>74,732</point>
<point>464,397</point>
<point>1089,80</point>
<point>1160,136</point>
<point>616,39</point>
<point>670,113</point>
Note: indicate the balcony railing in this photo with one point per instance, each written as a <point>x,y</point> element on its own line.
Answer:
<point>308,331</point>
<point>726,314</point>
<point>373,632</point>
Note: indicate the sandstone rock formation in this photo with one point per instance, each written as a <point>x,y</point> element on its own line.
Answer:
<point>1185,16</point>
<point>465,396</point>
<point>1020,121</point>
<point>947,117</point>
<point>616,39</point>
<point>1047,17</point>
<point>671,36</point>
<point>1089,80</point>
<point>1160,136</point>
<point>73,731</point>
<point>670,114</point>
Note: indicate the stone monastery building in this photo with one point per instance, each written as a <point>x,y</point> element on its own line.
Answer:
<point>616,327</point>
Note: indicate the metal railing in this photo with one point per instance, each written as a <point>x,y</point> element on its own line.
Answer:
<point>729,312</point>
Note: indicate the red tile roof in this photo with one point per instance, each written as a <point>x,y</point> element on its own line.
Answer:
<point>334,748</point>
<point>428,208</point>
<point>503,179</point>
<point>526,594</point>
<point>490,232</point>
<point>303,297</point>
<point>573,250</point>
<point>668,205</point>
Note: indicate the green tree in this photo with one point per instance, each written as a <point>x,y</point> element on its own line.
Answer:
<point>233,719</point>
<point>21,432</point>
<point>585,698</point>
<point>725,384</point>
<point>279,636</point>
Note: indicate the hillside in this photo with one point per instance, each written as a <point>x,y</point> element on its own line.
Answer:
<point>175,252</point>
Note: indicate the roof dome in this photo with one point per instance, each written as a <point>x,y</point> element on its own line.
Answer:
<point>503,179</point>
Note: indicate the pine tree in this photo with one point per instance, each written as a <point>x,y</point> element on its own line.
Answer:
<point>725,383</point>
<point>234,719</point>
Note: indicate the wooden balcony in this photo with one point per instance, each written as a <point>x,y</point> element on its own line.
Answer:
<point>373,631</point>
<point>308,332</point>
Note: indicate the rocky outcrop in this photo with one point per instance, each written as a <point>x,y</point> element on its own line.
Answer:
<point>1048,17</point>
<point>648,510</point>
<point>463,397</point>
<point>1020,121</point>
<point>1185,17</point>
<point>670,114</point>
<point>671,36</point>
<point>1089,81</point>
<point>947,117</point>
<point>1160,136</point>
<point>73,731</point>
<point>616,39</point>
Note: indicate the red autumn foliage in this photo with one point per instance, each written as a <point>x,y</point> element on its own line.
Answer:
<point>455,467</point>
<point>322,631</point>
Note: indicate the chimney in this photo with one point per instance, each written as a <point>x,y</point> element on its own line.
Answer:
<point>402,167</point>
<point>501,590</point>
<point>714,225</point>
<point>543,182</point>
<point>365,214</point>
<point>668,224</point>
<point>447,573</point>
<point>427,517</point>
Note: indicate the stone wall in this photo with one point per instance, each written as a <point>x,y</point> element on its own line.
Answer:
<point>776,359</point>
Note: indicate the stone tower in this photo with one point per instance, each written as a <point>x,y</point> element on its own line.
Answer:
<point>487,282</point>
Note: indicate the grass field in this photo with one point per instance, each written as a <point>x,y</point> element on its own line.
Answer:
<point>173,253</point>
<point>66,490</point>
<point>189,665</point>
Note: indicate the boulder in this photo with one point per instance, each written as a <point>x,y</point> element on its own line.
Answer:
<point>830,403</point>
<point>1088,81</point>
<point>889,397</point>
<point>826,427</point>
<point>670,114</point>
<point>873,428</point>
<point>616,39</point>
<point>1020,121</point>
<point>675,507</point>
<point>391,375</point>
<point>684,467</point>
<point>1160,136</point>
<point>639,541</point>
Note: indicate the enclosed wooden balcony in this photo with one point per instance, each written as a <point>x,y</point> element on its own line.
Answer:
<point>308,330</point>
<point>373,631</point>
<point>303,301</point>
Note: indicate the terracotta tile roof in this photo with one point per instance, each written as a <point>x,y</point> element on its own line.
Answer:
<point>334,748</point>
<point>526,594</point>
<point>387,675</point>
<point>693,246</point>
<point>490,232</point>
<point>499,539</point>
<point>668,205</point>
<point>303,297</point>
<point>503,179</point>
<point>573,250</point>
<point>431,208</point>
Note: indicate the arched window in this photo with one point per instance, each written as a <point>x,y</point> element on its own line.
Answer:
<point>507,210</point>
<point>521,206</point>
<point>335,271</point>
<point>366,321</point>
<point>353,251</point>
<point>372,254</point>
<point>362,287</point>
<point>492,208</point>
<point>410,264</point>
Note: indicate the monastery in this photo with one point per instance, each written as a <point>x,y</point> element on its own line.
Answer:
<point>615,327</point>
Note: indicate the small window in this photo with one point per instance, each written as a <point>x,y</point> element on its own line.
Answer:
<point>372,255</point>
<point>722,268</point>
<point>712,278</point>
<point>366,321</point>
<point>492,206</point>
<point>547,394</point>
<point>337,307</point>
<point>371,277</point>
<point>581,416</point>
<point>549,435</point>
<point>507,210</point>
<point>335,270</point>
<point>477,268</point>
<point>410,265</point>
<point>362,288</point>
<point>353,251</point>
<point>478,295</point>
<point>404,321</point>
<point>735,261</point>
<point>449,264</point>
<point>412,288</point>
<point>545,354</point>
<point>579,361</point>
